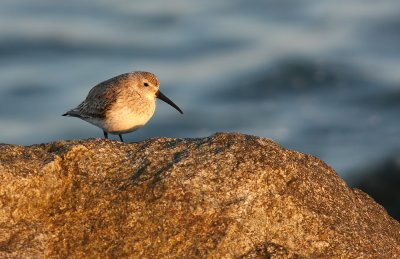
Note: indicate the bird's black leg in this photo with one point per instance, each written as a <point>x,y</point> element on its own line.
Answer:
<point>105,134</point>
<point>120,137</point>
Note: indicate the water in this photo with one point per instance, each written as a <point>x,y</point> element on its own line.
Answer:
<point>321,77</point>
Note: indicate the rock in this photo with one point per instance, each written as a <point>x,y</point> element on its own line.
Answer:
<point>225,196</point>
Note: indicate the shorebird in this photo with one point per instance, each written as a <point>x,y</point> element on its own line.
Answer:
<point>122,104</point>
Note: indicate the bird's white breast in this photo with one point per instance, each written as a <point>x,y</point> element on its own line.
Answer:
<point>124,118</point>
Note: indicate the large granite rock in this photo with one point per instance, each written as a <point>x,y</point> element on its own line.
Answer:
<point>225,196</point>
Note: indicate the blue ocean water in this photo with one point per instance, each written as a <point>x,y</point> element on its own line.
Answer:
<point>321,77</point>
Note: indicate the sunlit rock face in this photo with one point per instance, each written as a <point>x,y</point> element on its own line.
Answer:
<point>225,196</point>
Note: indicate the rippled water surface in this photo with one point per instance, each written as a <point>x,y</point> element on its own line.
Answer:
<point>322,77</point>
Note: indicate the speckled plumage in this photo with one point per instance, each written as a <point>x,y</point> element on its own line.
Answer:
<point>121,104</point>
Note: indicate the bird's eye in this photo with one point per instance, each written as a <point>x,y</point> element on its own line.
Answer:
<point>146,84</point>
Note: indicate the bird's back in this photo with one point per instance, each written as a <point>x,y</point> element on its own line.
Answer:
<point>100,98</point>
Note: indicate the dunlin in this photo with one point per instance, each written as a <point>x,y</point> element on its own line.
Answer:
<point>122,104</point>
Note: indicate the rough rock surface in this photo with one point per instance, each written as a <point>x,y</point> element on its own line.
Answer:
<point>225,196</point>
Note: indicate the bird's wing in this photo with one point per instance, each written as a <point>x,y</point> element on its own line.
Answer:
<point>99,99</point>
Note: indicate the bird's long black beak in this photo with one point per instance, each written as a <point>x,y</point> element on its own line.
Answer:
<point>161,96</point>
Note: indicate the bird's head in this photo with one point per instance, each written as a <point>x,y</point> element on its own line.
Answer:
<point>149,85</point>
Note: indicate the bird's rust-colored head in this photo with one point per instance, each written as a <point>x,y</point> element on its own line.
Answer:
<point>149,83</point>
